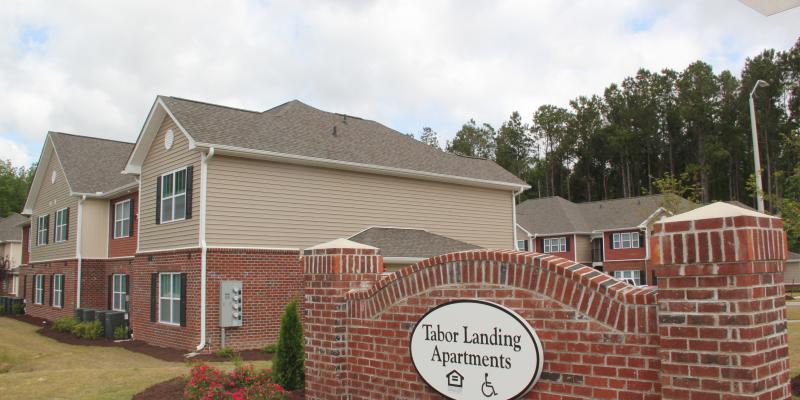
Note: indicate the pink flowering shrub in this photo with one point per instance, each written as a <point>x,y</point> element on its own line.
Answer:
<point>243,383</point>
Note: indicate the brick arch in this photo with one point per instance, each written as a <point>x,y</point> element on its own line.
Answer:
<point>594,294</point>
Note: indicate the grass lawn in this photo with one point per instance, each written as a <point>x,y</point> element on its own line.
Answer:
<point>793,313</point>
<point>33,364</point>
<point>794,344</point>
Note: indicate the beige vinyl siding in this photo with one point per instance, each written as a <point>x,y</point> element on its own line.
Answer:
<point>159,161</point>
<point>94,229</point>
<point>583,249</point>
<point>256,203</point>
<point>53,197</point>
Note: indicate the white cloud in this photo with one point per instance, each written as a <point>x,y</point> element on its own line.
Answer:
<point>95,67</point>
<point>15,152</point>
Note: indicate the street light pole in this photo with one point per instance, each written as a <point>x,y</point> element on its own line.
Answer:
<point>756,157</point>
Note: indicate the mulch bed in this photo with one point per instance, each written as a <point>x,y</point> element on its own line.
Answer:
<point>161,353</point>
<point>173,389</point>
<point>796,386</point>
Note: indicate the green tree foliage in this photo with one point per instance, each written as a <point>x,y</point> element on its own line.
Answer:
<point>290,355</point>
<point>429,137</point>
<point>14,184</point>
<point>473,140</point>
<point>513,145</point>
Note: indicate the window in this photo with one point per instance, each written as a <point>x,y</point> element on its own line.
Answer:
<point>42,229</point>
<point>58,291</point>
<point>62,216</point>
<point>626,240</point>
<point>173,196</point>
<point>122,219</point>
<point>555,245</point>
<point>169,298</point>
<point>522,245</point>
<point>119,291</point>
<point>634,277</point>
<point>38,290</point>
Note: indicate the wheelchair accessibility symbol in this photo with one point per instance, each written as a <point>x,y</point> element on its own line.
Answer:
<point>486,388</point>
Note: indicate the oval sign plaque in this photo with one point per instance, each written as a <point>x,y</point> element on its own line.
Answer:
<point>473,349</point>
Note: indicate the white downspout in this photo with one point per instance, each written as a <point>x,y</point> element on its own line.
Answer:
<point>514,214</point>
<point>204,158</point>
<point>78,253</point>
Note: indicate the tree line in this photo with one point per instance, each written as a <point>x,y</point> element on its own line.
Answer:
<point>14,184</point>
<point>682,131</point>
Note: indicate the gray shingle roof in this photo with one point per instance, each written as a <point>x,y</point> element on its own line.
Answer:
<point>10,229</point>
<point>299,129</point>
<point>793,256</point>
<point>92,164</point>
<point>557,215</point>
<point>400,242</point>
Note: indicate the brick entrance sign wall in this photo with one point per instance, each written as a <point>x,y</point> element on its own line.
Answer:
<point>713,328</point>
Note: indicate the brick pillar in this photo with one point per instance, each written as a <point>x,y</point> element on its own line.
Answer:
<point>331,270</point>
<point>721,304</point>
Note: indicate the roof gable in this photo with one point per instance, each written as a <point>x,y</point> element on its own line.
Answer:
<point>10,229</point>
<point>408,242</point>
<point>297,133</point>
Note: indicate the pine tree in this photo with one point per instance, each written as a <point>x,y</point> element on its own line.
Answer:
<point>429,137</point>
<point>290,356</point>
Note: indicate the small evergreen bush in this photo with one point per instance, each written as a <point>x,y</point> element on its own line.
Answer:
<point>290,355</point>
<point>2,309</point>
<point>270,348</point>
<point>88,330</point>
<point>121,332</point>
<point>18,308</point>
<point>65,324</point>
<point>231,355</point>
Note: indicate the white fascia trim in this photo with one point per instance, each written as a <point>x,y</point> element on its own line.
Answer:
<point>625,229</point>
<point>51,260</point>
<point>387,227</point>
<point>653,216</point>
<point>402,260</point>
<point>148,134</point>
<point>121,258</point>
<point>626,259</point>
<point>545,235</point>
<point>167,249</point>
<point>358,167</point>
<point>38,178</point>
<point>109,194</point>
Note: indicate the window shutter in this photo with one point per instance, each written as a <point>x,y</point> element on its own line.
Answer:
<point>66,236</point>
<point>153,298</point>
<point>641,240</point>
<point>52,289</point>
<point>566,239</point>
<point>63,289</point>
<point>133,214</point>
<point>125,289</point>
<point>47,228</point>
<point>643,277</point>
<point>183,299</point>
<point>611,241</point>
<point>189,185</point>
<point>110,291</point>
<point>158,200</point>
<point>36,230</point>
<point>24,286</point>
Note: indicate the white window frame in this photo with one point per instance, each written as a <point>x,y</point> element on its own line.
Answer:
<point>42,230</point>
<point>555,245</point>
<point>58,289</point>
<point>626,240</point>
<point>119,208</point>
<point>173,195</point>
<point>521,244</point>
<point>118,294</point>
<point>38,291</point>
<point>61,226</point>
<point>633,274</point>
<point>14,284</point>
<point>171,298</point>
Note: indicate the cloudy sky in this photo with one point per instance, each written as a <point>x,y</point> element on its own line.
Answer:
<point>95,67</point>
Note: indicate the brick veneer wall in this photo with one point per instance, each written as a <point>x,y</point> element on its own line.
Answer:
<point>67,267</point>
<point>714,328</point>
<point>270,278</point>
<point>721,308</point>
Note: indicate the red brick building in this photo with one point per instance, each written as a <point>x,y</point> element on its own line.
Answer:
<point>611,236</point>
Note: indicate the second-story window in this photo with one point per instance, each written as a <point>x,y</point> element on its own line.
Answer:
<point>62,222</point>
<point>555,245</point>
<point>42,229</point>
<point>173,196</point>
<point>122,219</point>
<point>626,240</point>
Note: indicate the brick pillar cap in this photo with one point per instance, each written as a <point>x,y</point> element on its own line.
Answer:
<point>341,244</point>
<point>719,209</point>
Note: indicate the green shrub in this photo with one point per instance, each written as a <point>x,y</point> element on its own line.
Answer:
<point>290,355</point>
<point>270,348</point>
<point>244,382</point>
<point>65,324</point>
<point>18,308</point>
<point>2,309</point>
<point>121,332</point>
<point>88,330</point>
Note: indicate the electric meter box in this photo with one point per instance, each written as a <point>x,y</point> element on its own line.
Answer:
<point>230,303</point>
